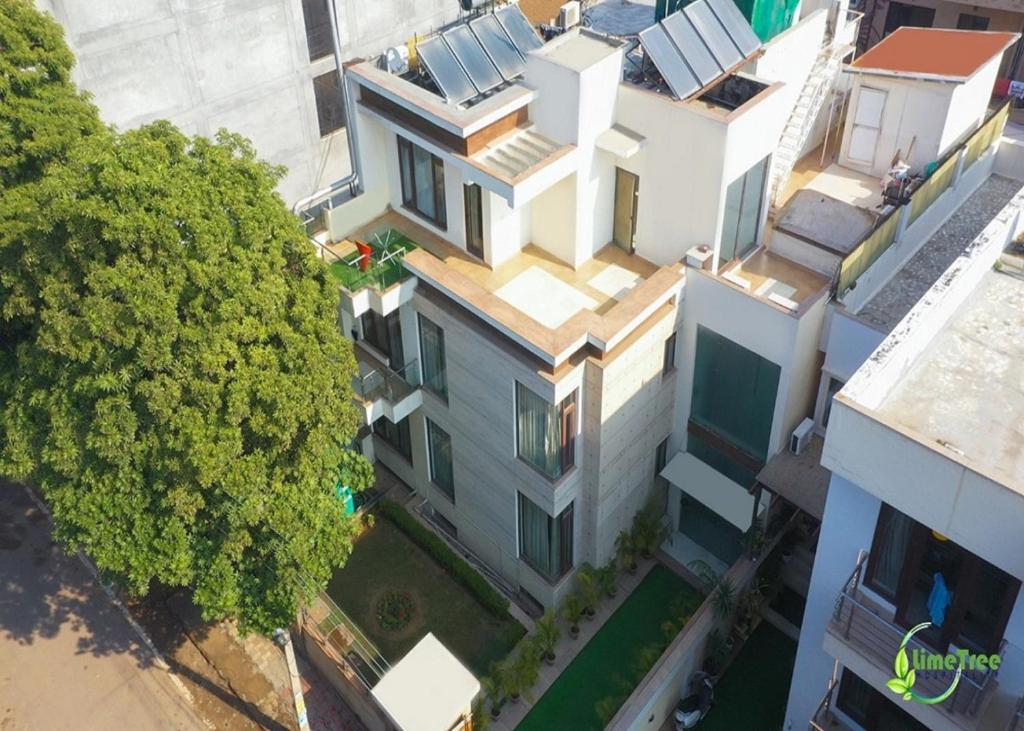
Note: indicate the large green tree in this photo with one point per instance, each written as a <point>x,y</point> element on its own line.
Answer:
<point>172,376</point>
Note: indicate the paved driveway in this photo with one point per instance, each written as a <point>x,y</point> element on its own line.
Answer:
<point>68,657</point>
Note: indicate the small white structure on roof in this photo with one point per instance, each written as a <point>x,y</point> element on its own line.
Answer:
<point>428,689</point>
<point>917,94</point>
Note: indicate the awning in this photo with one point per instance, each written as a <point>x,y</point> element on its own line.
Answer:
<point>619,141</point>
<point>711,488</point>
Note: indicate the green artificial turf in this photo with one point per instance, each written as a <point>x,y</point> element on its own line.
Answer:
<point>600,679</point>
<point>379,275</point>
<point>753,692</point>
<point>385,559</point>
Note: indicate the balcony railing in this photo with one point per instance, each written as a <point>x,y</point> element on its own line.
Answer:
<point>384,383</point>
<point>383,268</point>
<point>860,624</point>
<point>1017,720</point>
<point>823,720</point>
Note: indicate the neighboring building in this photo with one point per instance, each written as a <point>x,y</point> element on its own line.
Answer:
<point>543,309</point>
<point>882,17</point>
<point>928,482</point>
<point>265,69</point>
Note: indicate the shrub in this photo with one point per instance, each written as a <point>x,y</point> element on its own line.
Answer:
<point>435,546</point>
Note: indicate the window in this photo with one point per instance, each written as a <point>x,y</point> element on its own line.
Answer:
<point>661,457</point>
<point>422,182</point>
<point>439,447</point>
<point>545,543</point>
<point>888,552</point>
<point>743,203</point>
<point>834,387</point>
<point>318,28</point>
<point>668,361</point>
<point>869,708</point>
<point>546,433</point>
<point>330,105</point>
<point>709,530</point>
<point>901,14</point>
<point>384,333</point>
<point>734,393</point>
<point>435,375</point>
<point>966,21</point>
<point>474,204</point>
<point>396,435</point>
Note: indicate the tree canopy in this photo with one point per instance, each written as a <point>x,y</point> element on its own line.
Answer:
<point>172,376</point>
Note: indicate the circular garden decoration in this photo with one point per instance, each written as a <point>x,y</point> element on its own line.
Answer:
<point>394,610</point>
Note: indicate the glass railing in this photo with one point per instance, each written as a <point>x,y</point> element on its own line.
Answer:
<point>388,384</point>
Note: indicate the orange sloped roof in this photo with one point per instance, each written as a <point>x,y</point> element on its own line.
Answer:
<point>954,54</point>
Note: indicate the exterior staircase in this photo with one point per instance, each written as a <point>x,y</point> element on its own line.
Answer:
<point>818,88</point>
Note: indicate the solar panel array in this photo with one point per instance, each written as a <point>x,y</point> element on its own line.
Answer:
<point>695,46</point>
<point>476,57</point>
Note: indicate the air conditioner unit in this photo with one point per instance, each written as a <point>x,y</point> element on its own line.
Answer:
<point>801,436</point>
<point>569,15</point>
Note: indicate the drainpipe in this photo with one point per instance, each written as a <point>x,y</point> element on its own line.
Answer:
<point>350,133</point>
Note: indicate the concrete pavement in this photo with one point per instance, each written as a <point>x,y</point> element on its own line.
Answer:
<point>68,658</point>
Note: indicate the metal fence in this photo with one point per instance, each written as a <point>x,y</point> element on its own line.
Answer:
<point>860,624</point>
<point>342,635</point>
<point>822,718</point>
<point>883,234</point>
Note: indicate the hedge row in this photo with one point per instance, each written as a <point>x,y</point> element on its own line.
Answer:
<point>462,572</point>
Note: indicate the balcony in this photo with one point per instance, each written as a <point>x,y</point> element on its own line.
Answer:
<point>824,719</point>
<point>1017,720</point>
<point>864,637</point>
<point>383,391</point>
<point>373,276</point>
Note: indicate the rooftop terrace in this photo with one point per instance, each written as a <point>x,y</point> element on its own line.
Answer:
<point>776,279</point>
<point>534,297</point>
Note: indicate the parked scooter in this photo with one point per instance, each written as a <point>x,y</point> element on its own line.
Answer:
<point>692,709</point>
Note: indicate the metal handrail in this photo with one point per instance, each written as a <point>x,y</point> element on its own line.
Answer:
<point>849,597</point>
<point>824,709</point>
<point>374,664</point>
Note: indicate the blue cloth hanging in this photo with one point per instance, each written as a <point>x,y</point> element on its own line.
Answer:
<point>939,600</point>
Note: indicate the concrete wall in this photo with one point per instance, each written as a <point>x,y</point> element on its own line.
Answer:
<point>241,66</point>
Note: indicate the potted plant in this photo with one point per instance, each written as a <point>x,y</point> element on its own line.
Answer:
<point>720,589</point>
<point>523,670</point>
<point>548,633</point>
<point>589,590</point>
<point>572,610</point>
<point>607,577</point>
<point>754,540</point>
<point>481,718</point>
<point>648,530</point>
<point>493,687</point>
<point>719,648</point>
<point>626,550</point>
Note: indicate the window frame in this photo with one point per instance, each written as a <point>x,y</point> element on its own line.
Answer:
<point>668,356</point>
<point>564,524</point>
<point>735,252</point>
<point>568,425</point>
<point>328,114</point>
<point>395,439</point>
<point>317,26</point>
<point>407,179</point>
<point>473,195</point>
<point>443,393</point>
<point>431,427</point>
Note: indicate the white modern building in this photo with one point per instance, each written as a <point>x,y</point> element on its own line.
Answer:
<point>266,69</point>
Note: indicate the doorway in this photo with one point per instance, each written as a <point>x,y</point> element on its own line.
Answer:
<point>627,192</point>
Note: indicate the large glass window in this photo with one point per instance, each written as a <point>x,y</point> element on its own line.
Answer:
<point>742,220</point>
<point>439,443</point>
<point>330,106</point>
<point>422,175</point>
<point>317,17</point>
<point>384,333</point>
<point>435,375</point>
<point>888,551</point>
<point>545,543</point>
<point>545,432</point>
<point>734,393</point>
<point>474,202</point>
<point>396,435</point>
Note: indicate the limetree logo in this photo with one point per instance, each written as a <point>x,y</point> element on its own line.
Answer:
<point>906,668</point>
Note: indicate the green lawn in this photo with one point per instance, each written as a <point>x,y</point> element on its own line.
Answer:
<point>753,692</point>
<point>600,679</point>
<point>385,559</point>
<point>380,275</point>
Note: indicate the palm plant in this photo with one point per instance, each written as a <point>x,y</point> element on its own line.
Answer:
<point>523,670</point>
<point>547,635</point>
<point>721,590</point>
<point>626,550</point>
<point>572,610</point>
<point>607,576</point>
<point>493,687</point>
<point>589,589</point>
<point>649,529</point>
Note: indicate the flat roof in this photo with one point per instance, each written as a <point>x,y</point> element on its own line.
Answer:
<point>906,287</point>
<point>579,49</point>
<point>934,52</point>
<point>965,390</point>
<point>428,689</point>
